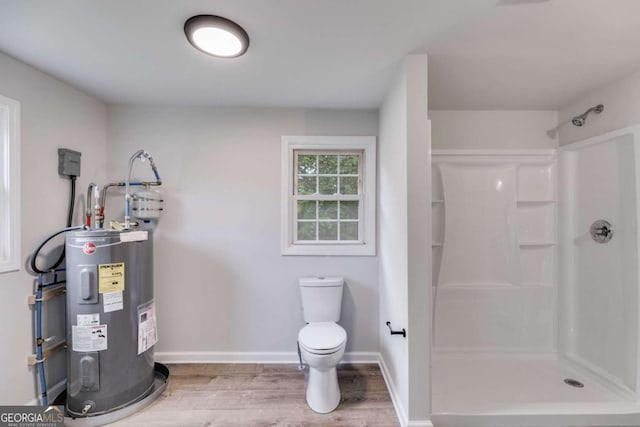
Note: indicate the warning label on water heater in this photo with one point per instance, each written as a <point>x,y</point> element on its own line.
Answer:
<point>111,277</point>
<point>92,319</point>
<point>89,338</point>
<point>147,330</point>
<point>112,301</point>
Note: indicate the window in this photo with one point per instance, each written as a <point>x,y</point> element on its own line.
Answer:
<point>9,185</point>
<point>328,185</point>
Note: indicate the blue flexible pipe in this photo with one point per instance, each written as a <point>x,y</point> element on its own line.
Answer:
<point>40,362</point>
<point>39,341</point>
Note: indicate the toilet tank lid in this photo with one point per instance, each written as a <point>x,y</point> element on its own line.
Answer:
<point>321,281</point>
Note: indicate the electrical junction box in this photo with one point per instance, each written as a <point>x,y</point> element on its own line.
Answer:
<point>68,162</point>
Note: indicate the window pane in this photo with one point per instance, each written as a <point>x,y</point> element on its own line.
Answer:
<point>306,209</point>
<point>349,210</point>
<point>327,210</point>
<point>307,164</point>
<point>349,165</point>
<point>306,230</point>
<point>348,231</point>
<point>306,185</point>
<point>328,164</point>
<point>348,185</point>
<point>328,184</point>
<point>328,230</point>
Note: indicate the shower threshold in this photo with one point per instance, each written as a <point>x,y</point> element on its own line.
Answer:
<point>517,391</point>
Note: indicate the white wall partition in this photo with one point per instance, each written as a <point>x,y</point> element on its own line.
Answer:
<point>494,253</point>
<point>599,298</point>
<point>403,224</point>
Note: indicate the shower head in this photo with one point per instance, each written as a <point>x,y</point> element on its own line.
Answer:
<point>582,118</point>
<point>578,120</point>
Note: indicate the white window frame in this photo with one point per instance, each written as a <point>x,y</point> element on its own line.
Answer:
<point>366,246</point>
<point>9,185</point>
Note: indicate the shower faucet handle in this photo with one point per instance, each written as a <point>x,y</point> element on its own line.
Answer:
<point>601,231</point>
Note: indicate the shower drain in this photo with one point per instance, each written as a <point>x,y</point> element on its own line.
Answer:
<point>573,383</point>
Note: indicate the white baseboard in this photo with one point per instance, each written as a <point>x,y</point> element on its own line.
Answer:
<point>252,357</point>
<point>401,412</point>
<point>361,357</point>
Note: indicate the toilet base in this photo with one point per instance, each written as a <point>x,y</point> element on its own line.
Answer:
<point>323,392</point>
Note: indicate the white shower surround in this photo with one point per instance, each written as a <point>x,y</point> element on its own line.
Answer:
<point>600,323</point>
<point>592,318</point>
<point>500,226</point>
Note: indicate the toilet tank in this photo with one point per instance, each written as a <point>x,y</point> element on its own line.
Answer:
<point>321,298</point>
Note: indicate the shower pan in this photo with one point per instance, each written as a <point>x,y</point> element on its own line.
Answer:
<point>536,285</point>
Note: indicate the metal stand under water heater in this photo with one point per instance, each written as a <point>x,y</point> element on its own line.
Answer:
<point>111,316</point>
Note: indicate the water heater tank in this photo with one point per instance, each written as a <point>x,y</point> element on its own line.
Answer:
<point>111,326</point>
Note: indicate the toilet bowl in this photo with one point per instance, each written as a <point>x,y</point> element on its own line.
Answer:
<point>322,346</point>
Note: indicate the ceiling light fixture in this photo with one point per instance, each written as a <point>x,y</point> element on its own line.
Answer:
<point>216,36</point>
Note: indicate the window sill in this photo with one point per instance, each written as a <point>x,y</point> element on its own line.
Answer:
<point>9,266</point>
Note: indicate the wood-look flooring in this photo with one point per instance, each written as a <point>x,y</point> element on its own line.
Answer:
<point>251,395</point>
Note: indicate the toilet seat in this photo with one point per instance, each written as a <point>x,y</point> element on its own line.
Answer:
<point>320,352</point>
<point>322,337</point>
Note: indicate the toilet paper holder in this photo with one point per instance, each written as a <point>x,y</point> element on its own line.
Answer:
<point>402,332</point>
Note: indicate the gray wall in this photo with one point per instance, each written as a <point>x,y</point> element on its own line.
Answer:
<point>621,101</point>
<point>493,129</point>
<point>53,115</point>
<point>223,291</point>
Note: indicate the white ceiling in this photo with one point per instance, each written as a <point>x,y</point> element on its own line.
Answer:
<point>483,54</point>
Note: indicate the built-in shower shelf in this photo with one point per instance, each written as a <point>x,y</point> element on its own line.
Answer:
<point>437,202</point>
<point>538,244</point>
<point>436,245</point>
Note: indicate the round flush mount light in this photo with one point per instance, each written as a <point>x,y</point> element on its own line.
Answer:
<point>216,36</point>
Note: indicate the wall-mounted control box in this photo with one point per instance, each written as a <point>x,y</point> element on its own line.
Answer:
<point>68,162</point>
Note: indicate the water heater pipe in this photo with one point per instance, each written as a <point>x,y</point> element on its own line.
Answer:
<point>92,191</point>
<point>39,352</point>
<point>103,194</point>
<point>143,156</point>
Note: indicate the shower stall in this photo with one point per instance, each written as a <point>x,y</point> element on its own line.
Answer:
<point>535,274</point>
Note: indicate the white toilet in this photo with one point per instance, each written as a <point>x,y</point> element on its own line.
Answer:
<point>322,341</point>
